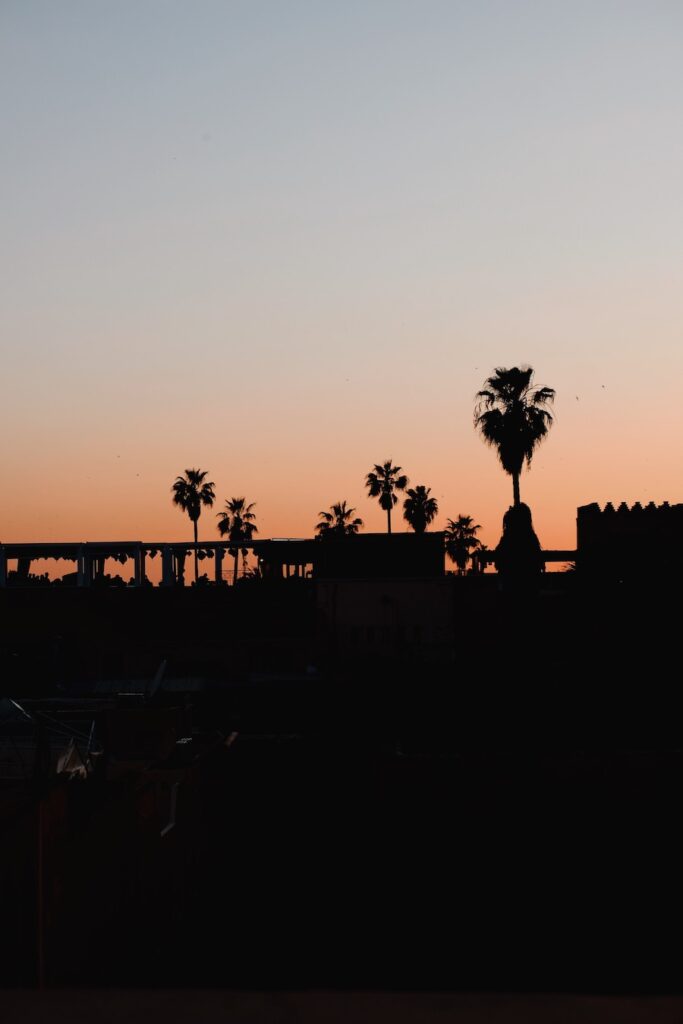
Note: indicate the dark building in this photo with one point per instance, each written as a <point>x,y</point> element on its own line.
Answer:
<point>627,543</point>
<point>365,556</point>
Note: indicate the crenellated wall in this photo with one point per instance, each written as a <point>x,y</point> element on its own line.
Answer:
<point>627,541</point>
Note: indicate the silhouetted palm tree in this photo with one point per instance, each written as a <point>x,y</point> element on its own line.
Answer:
<point>237,522</point>
<point>382,482</point>
<point>338,522</point>
<point>190,492</point>
<point>481,550</point>
<point>461,541</point>
<point>419,509</point>
<point>513,418</point>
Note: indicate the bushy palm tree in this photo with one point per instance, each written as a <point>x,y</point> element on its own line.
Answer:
<point>338,522</point>
<point>513,417</point>
<point>190,492</point>
<point>461,541</point>
<point>419,509</point>
<point>480,551</point>
<point>381,483</point>
<point>237,523</point>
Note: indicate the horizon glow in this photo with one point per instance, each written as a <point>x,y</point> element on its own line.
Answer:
<point>283,242</point>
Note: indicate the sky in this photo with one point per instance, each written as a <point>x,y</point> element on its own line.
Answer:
<point>282,241</point>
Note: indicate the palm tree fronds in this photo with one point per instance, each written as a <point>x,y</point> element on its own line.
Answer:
<point>382,481</point>
<point>419,509</point>
<point>513,418</point>
<point>338,522</point>
<point>460,540</point>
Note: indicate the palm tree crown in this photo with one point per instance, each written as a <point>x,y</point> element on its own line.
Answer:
<point>419,509</point>
<point>237,522</point>
<point>190,492</point>
<point>381,483</point>
<point>461,541</point>
<point>338,522</point>
<point>513,417</point>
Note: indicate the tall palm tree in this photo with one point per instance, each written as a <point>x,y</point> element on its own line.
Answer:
<point>461,541</point>
<point>237,523</point>
<point>338,522</point>
<point>419,509</point>
<point>190,492</point>
<point>513,417</point>
<point>381,483</point>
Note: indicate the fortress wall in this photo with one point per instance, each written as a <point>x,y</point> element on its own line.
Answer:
<point>640,538</point>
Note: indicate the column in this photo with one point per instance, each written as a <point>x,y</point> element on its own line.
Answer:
<point>81,567</point>
<point>180,567</point>
<point>219,564</point>
<point>139,557</point>
<point>167,575</point>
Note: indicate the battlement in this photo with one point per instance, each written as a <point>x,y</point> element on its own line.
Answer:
<point>665,509</point>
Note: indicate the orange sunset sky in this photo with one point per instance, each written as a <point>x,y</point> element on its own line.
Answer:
<point>284,241</point>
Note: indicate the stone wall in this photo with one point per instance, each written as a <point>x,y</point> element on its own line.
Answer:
<point>630,541</point>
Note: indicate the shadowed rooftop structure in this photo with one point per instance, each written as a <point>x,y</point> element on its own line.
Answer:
<point>363,556</point>
<point>621,541</point>
<point>372,555</point>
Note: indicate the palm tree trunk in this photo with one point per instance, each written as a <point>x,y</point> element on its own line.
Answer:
<point>388,520</point>
<point>515,488</point>
<point>234,575</point>
<point>196,562</point>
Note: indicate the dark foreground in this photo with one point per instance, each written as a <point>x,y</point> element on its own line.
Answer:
<point>506,821</point>
<point>110,1007</point>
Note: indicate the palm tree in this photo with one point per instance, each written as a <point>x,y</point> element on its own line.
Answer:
<point>237,522</point>
<point>461,541</point>
<point>419,509</point>
<point>513,417</point>
<point>481,550</point>
<point>382,482</point>
<point>190,492</point>
<point>338,522</point>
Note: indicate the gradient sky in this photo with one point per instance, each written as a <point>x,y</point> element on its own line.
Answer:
<point>284,240</point>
